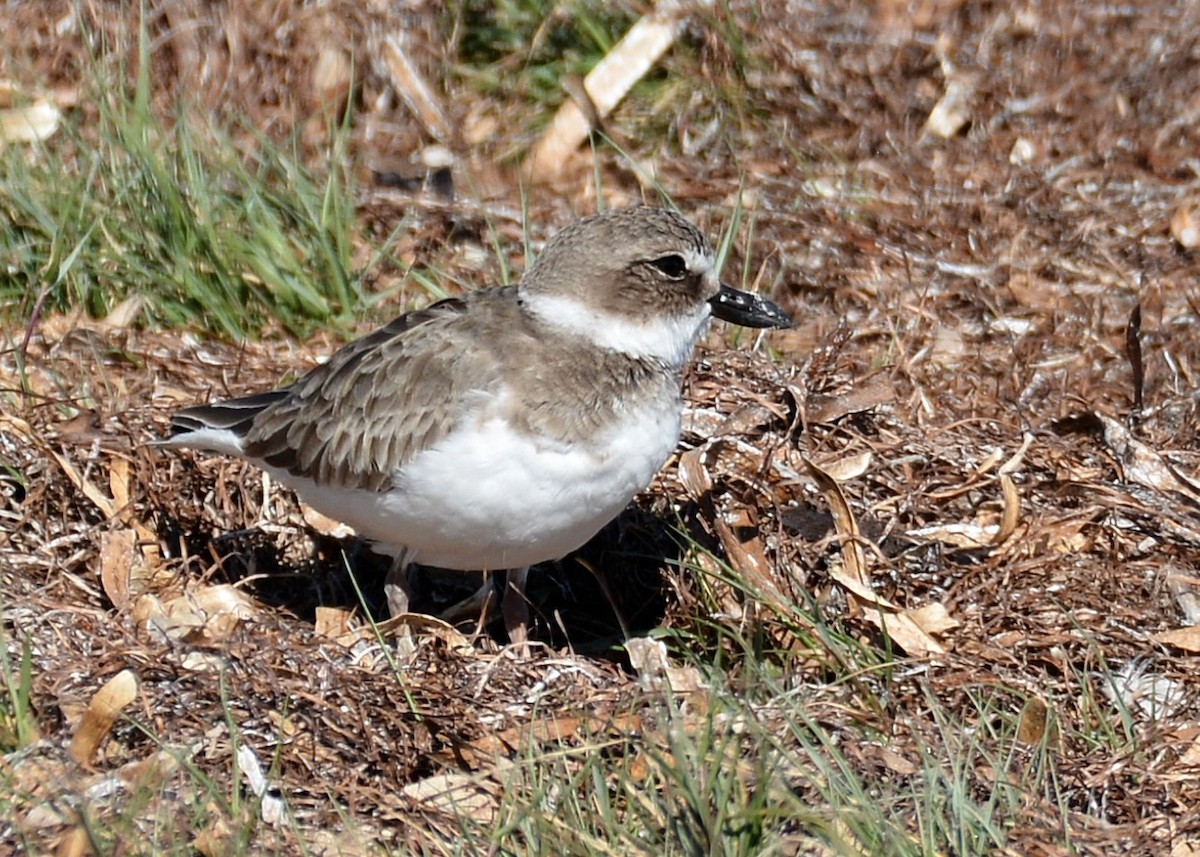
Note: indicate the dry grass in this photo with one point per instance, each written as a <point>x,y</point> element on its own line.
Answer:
<point>961,364</point>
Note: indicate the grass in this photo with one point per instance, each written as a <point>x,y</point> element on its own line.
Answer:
<point>720,775</point>
<point>754,763</point>
<point>219,228</point>
<point>527,47</point>
<point>766,757</point>
<point>214,228</point>
<point>785,747</point>
<point>18,723</point>
<point>522,51</point>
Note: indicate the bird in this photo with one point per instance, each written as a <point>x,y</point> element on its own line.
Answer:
<point>505,427</point>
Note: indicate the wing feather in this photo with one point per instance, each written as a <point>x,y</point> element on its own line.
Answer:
<point>385,397</point>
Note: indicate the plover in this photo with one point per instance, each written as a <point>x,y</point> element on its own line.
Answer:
<point>506,427</point>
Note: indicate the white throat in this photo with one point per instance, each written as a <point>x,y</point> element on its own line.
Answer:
<point>668,339</point>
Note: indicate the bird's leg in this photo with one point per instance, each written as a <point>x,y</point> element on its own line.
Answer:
<point>514,607</point>
<point>397,587</point>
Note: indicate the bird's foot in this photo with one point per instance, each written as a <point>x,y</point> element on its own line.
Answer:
<point>397,588</point>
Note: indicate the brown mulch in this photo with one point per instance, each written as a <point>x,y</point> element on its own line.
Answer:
<point>962,364</point>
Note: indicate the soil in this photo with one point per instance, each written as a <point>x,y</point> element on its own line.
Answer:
<point>992,381</point>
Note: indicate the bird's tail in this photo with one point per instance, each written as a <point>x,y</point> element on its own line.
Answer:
<point>218,426</point>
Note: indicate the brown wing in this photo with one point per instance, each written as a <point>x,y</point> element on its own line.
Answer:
<point>385,397</point>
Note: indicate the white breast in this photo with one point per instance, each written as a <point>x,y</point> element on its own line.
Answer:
<point>489,497</point>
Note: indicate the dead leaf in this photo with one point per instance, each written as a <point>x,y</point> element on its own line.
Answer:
<point>889,758</point>
<point>849,468</point>
<point>853,562</point>
<point>200,662</point>
<point>968,536</point>
<point>861,590</point>
<point>332,622</point>
<point>901,628</point>
<point>28,124</point>
<point>1012,510</point>
<point>904,632</point>
<point>149,557</point>
<point>748,557</point>
<point>694,474</point>
<point>421,625</point>
<point>216,838</point>
<point>103,502</point>
<point>864,396</point>
<point>124,315</point>
<point>1185,848</point>
<point>75,843</point>
<point>411,86</point>
<point>332,77</point>
<point>122,573</point>
<point>650,660</point>
<point>325,525</point>
<point>1183,587</point>
<point>1034,721</point>
<point>83,429</point>
<point>948,346</point>
<point>1022,152</point>
<point>204,616</point>
<point>604,87</point>
<point>934,618</point>
<point>1187,639</point>
<point>1185,224</point>
<point>1140,462</point>
<point>551,730</point>
<point>475,796</point>
<point>953,110</point>
<point>102,712</point>
<point>1017,458</point>
<point>152,771</point>
<point>1191,756</point>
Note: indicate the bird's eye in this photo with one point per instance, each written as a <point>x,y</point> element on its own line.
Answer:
<point>674,266</point>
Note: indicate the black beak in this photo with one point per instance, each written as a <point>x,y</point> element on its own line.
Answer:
<point>738,307</point>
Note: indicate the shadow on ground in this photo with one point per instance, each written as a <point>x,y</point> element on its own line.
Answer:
<point>591,600</point>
